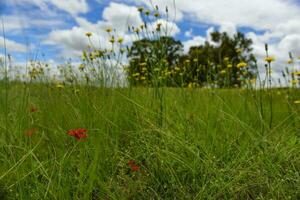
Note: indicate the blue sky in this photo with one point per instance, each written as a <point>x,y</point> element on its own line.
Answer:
<point>53,30</point>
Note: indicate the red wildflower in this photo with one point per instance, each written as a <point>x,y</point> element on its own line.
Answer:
<point>33,109</point>
<point>78,133</point>
<point>133,166</point>
<point>30,132</point>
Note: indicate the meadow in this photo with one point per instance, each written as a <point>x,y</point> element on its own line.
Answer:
<point>143,120</point>
<point>148,143</point>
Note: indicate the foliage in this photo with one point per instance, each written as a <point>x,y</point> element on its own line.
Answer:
<point>214,63</point>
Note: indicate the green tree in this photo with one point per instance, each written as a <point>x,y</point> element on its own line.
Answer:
<point>222,62</point>
<point>151,61</point>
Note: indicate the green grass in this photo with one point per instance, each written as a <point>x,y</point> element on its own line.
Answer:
<point>189,143</point>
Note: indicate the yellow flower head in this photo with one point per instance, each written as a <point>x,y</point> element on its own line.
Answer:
<point>81,67</point>
<point>142,64</point>
<point>297,73</point>
<point>239,50</point>
<point>88,34</point>
<point>120,40</point>
<point>241,65</point>
<point>112,40</point>
<point>137,30</point>
<point>294,82</point>
<point>59,86</point>
<point>108,30</point>
<point>297,102</point>
<point>229,66</point>
<point>140,9</point>
<point>135,74</point>
<point>290,62</point>
<point>190,85</point>
<point>223,72</point>
<point>147,12</point>
<point>269,59</point>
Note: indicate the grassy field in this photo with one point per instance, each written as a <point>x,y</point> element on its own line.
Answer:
<point>148,143</point>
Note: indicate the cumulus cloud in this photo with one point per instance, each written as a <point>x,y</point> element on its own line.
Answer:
<point>195,41</point>
<point>12,46</point>
<point>255,13</point>
<point>121,15</point>
<point>117,16</point>
<point>16,24</point>
<point>229,28</point>
<point>73,7</point>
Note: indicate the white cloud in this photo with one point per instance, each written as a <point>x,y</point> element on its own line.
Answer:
<point>73,7</point>
<point>117,16</point>
<point>15,24</point>
<point>255,13</point>
<point>12,46</point>
<point>229,28</point>
<point>195,41</point>
<point>120,16</point>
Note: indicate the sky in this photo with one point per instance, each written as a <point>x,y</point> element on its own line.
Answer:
<point>54,30</point>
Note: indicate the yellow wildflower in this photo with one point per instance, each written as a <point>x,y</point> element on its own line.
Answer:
<point>239,50</point>
<point>108,30</point>
<point>88,34</point>
<point>269,59</point>
<point>137,30</point>
<point>297,102</point>
<point>112,39</point>
<point>135,74</point>
<point>290,62</point>
<point>140,9</point>
<point>120,40</point>
<point>297,73</point>
<point>294,82</point>
<point>147,12</point>
<point>142,64</point>
<point>187,61</point>
<point>229,66</point>
<point>81,67</point>
<point>59,86</point>
<point>241,65</point>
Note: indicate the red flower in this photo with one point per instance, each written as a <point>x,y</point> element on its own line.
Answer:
<point>33,109</point>
<point>30,132</point>
<point>133,166</point>
<point>78,133</point>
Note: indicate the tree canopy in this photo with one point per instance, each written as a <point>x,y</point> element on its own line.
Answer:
<point>224,62</point>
